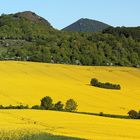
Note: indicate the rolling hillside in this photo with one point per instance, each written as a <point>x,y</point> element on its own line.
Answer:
<point>27,83</point>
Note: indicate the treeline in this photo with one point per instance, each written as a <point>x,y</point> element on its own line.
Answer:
<point>71,105</point>
<point>14,107</point>
<point>133,32</point>
<point>21,39</point>
<point>47,104</point>
<point>107,85</point>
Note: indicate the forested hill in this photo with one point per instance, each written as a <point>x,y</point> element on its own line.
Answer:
<point>24,25</point>
<point>86,25</point>
<point>26,36</point>
<point>133,32</point>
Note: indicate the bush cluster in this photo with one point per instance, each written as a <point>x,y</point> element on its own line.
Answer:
<point>47,104</point>
<point>134,114</point>
<point>107,85</point>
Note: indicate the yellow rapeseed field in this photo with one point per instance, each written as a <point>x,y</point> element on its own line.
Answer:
<point>26,83</point>
<point>69,124</point>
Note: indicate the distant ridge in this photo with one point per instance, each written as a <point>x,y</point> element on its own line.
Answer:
<point>86,25</point>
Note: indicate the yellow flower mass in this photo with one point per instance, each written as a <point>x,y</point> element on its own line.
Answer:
<point>27,82</point>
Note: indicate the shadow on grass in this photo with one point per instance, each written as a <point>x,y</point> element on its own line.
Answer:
<point>45,136</point>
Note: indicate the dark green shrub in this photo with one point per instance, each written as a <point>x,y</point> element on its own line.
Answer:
<point>58,106</point>
<point>71,105</point>
<point>101,114</point>
<point>94,82</point>
<point>22,107</point>
<point>1,107</point>
<point>36,107</point>
<point>47,103</point>
<point>15,107</point>
<point>133,114</point>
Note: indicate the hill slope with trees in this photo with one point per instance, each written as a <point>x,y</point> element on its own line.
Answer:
<point>26,36</point>
<point>127,32</point>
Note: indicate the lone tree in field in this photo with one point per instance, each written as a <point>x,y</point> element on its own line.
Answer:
<point>71,105</point>
<point>133,114</point>
<point>94,82</point>
<point>58,106</point>
<point>47,103</point>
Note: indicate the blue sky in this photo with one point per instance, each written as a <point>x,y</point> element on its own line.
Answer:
<point>61,13</point>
